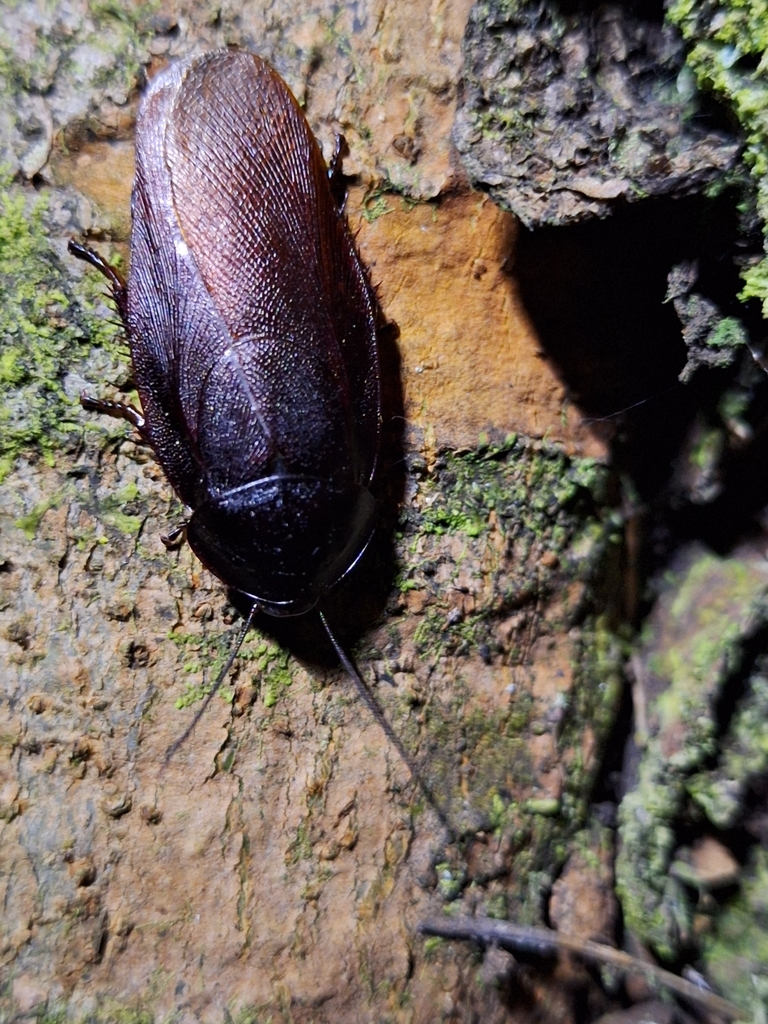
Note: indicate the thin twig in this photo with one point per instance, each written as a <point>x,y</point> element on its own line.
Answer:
<point>521,938</point>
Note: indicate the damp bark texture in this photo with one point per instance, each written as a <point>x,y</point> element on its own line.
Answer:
<point>565,116</point>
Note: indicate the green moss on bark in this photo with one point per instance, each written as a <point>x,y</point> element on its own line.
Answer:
<point>729,58</point>
<point>54,332</point>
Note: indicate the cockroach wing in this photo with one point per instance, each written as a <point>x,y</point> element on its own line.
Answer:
<point>277,260</point>
<point>292,384</point>
<point>167,305</point>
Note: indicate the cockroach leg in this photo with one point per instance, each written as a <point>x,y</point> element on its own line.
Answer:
<point>119,410</point>
<point>335,173</point>
<point>175,537</point>
<point>116,280</point>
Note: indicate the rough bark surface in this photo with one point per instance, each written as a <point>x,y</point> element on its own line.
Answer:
<point>277,865</point>
<point>567,115</point>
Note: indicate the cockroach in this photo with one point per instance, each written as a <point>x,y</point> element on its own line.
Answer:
<point>253,335</point>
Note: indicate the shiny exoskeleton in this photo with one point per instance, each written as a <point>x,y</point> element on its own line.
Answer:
<point>252,330</point>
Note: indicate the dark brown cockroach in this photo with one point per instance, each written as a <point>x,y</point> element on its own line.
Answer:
<point>252,331</point>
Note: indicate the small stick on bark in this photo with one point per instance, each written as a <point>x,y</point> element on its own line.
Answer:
<point>519,938</point>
